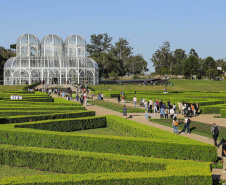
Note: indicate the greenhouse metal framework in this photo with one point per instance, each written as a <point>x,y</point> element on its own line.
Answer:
<point>51,62</point>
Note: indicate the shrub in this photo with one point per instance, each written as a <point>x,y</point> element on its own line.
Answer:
<point>67,125</point>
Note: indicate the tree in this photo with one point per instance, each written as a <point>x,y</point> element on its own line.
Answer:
<point>100,43</point>
<point>191,66</point>
<point>136,64</point>
<point>209,63</point>
<point>122,50</point>
<point>178,59</point>
<point>162,58</point>
<point>5,54</point>
<point>193,52</point>
<point>113,75</point>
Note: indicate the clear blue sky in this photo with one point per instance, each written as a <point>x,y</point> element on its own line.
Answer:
<point>186,24</point>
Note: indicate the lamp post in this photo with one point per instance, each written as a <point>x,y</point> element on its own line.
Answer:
<point>166,79</point>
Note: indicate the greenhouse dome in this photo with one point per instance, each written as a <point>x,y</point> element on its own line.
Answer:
<point>50,62</point>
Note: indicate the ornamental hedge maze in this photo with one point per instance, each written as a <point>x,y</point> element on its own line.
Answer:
<point>42,133</point>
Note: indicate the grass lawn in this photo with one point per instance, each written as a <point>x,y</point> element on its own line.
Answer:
<point>114,106</point>
<point>99,131</point>
<point>179,85</point>
<point>11,87</point>
<point>10,171</point>
<point>195,127</point>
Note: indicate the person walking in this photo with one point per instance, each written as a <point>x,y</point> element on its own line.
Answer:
<point>215,131</point>
<point>150,105</point>
<point>187,122</point>
<point>162,112</point>
<point>85,99</point>
<point>101,96</point>
<point>81,99</point>
<point>124,111</point>
<point>134,101</point>
<point>119,98</point>
<point>175,124</point>
<point>180,107</point>
<point>155,107</point>
<point>145,104</point>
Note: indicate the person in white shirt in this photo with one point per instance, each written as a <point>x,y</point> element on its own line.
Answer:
<point>134,101</point>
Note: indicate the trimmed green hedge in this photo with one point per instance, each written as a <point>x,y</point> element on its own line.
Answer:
<point>143,169</point>
<point>158,144</point>
<point>74,162</point>
<point>32,86</point>
<point>19,119</point>
<point>68,125</point>
<point>135,178</point>
<point>223,113</point>
<point>213,109</point>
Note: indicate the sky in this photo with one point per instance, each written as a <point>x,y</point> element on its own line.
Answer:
<point>145,24</point>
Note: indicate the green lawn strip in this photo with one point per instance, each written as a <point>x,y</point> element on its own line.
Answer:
<point>195,127</point>
<point>115,106</point>
<point>99,131</point>
<point>12,171</point>
<point>6,88</point>
<point>179,85</point>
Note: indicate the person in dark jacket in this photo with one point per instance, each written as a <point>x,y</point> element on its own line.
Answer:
<point>215,131</point>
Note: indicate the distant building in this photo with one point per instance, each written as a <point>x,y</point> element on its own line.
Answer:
<point>51,61</point>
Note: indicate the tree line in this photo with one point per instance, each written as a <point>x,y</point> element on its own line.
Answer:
<point>115,59</point>
<point>179,63</point>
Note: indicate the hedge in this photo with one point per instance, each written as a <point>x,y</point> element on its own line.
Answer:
<point>68,125</point>
<point>73,161</point>
<point>223,112</point>
<point>19,119</point>
<point>214,109</point>
<point>135,178</point>
<point>68,161</point>
<point>163,144</point>
<point>57,108</point>
<point>32,86</point>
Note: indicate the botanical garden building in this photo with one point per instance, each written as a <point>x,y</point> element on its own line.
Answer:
<point>51,61</point>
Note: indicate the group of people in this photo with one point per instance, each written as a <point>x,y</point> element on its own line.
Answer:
<point>165,109</point>
<point>175,124</point>
<point>16,97</point>
<point>82,98</point>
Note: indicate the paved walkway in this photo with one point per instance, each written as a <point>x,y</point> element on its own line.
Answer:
<point>140,117</point>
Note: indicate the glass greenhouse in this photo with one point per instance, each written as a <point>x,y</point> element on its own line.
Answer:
<point>50,61</point>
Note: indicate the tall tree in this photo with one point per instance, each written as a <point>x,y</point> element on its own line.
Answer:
<point>208,64</point>
<point>178,59</point>
<point>191,66</point>
<point>100,43</point>
<point>162,58</point>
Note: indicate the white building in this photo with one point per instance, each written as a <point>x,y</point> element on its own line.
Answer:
<point>51,61</point>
